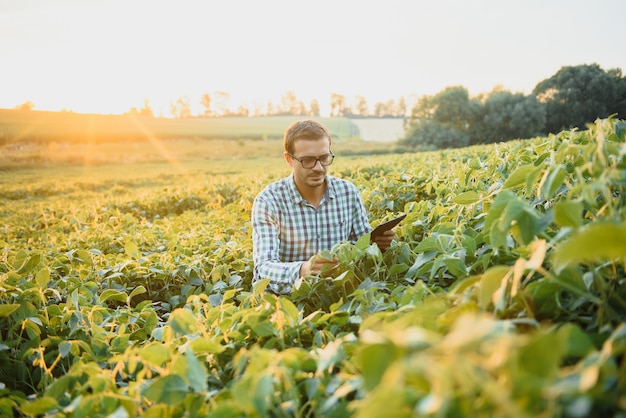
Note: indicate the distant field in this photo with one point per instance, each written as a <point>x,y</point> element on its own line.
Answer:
<point>35,138</point>
<point>17,126</point>
<point>26,126</point>
<point>380,130</point>
<point>232,153</point>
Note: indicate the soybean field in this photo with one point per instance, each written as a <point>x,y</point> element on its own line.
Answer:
<point>126,286</point>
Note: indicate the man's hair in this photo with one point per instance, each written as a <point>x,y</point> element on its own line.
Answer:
<point>304,129</point>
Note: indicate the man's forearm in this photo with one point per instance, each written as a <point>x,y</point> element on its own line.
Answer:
<point>282,275</point>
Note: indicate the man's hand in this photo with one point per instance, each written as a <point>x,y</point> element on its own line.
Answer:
<point>384,240</point>
<point>318,266</point>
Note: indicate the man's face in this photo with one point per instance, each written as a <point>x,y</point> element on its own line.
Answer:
<point>309,177</point>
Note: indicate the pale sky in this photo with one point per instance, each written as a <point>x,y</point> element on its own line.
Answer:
<point>106,56</point>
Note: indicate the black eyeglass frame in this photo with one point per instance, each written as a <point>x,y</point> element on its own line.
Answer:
<point>331,156</point>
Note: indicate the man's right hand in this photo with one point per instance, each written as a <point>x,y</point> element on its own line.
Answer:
<point>318,265</point>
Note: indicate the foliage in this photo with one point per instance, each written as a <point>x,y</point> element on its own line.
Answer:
<point>572,98</point>
<point>429,135</point>
<point>505,116</point>
<point>504,295</point>
<point>577,95</point>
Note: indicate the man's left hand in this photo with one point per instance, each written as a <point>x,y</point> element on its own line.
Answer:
<point>384,240</point>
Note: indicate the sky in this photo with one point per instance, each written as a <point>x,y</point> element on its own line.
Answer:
<point>107,56</point>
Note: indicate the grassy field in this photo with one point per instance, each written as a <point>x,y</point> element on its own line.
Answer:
<point>30,139</point>
<point>17,126</point>
<point>172,151</point>
<point>33,173</point>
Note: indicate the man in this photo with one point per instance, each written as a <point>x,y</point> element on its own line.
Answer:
<point>298,216</point>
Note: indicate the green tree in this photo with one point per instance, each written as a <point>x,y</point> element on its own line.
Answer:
<point>577,95</point>
<point>442,120</point>
<point>428,135</point>
<point>504,116</point>
<point>620,92</point>
<point>424,109</point>
<point>455,109</point>
<point>451,107</point>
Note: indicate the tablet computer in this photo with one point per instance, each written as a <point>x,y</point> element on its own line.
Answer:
<point>385,226</point>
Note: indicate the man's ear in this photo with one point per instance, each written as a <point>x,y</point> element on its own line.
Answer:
<point>288,158</point>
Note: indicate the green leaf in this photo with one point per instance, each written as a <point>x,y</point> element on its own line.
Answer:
<point>196,372</point>
<point>568,213</point>
<point>528,223</point>
<point>466,198</point>
<point>496,217</point>
<point>456,267</point>
<point>170,389</point>
<point>262,393</point>
<point>39,406</point>
<point>506,209</point>
<point>374,360</point>
<point>229,294</point>
<point>183,322</point>
<point>542,355</point>
<point>31,264</point>
<point>156,353</point>
<point>64,348</point>
<point>8,309</point>
<point>421,260</point>
<point>206,345</point>
<point>131,249</point>
<point>32,326</point>
<point>475,164</point>
<point>532,178</point>
<point>429,244</point>
<point>137,291</point>
<point>576,342</point>
<point>553,182</point>
<point>42,278</point>
<point>490,282</point>
<point>258,287</point>
<point>290,309</point>
<point>597,242</point>
<point>84,257</point>
<point>59,387</point>
<point>263,329</point>
<point>518,177</point>
<point>363,242</point>
<point>112,294</point>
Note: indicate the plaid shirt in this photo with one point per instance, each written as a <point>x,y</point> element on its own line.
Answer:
<point>287,230</point>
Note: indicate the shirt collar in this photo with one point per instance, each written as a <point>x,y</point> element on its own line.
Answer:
<point>297,197</point>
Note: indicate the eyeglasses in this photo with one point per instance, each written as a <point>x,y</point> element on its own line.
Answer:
<point>310,162</point>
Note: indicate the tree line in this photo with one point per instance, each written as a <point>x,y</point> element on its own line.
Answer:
<point>217,104</point>
<point>571,98</point>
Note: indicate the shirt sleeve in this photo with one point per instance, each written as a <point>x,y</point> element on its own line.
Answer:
<point>360,218</point>
<point>265,242</point>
